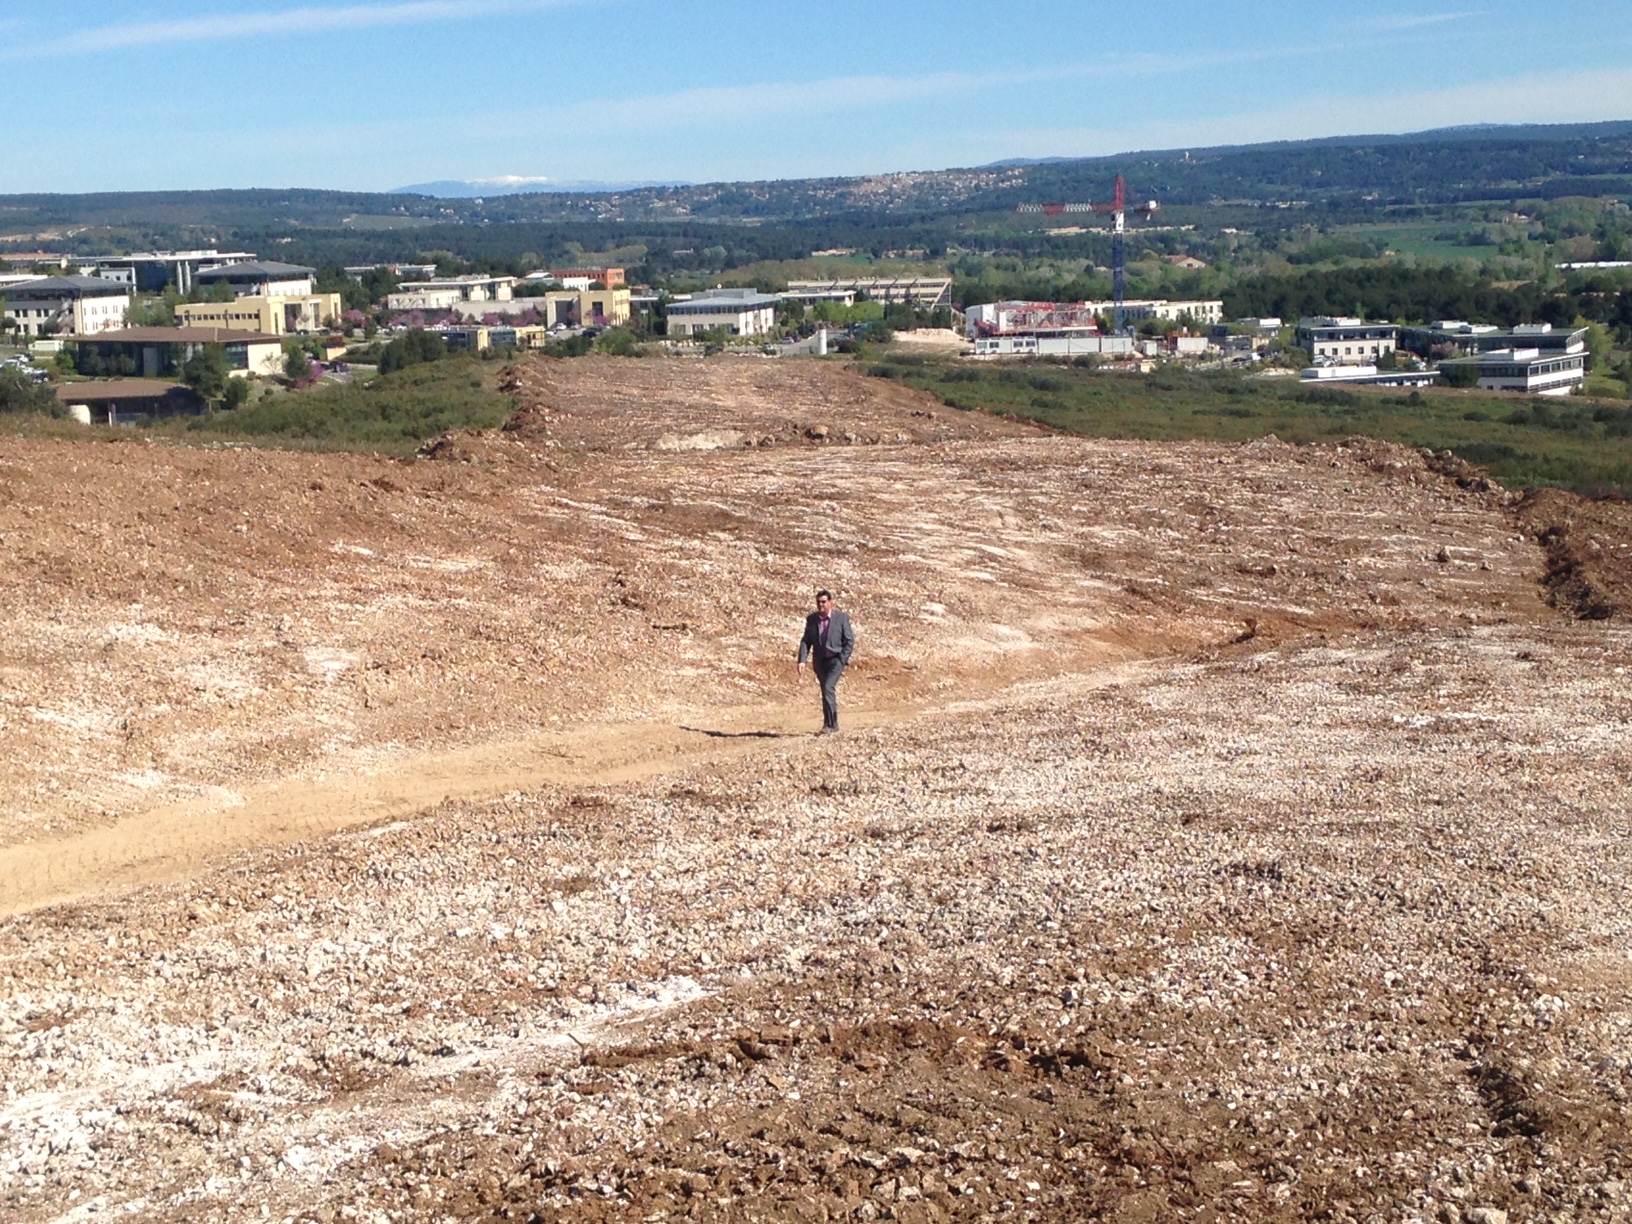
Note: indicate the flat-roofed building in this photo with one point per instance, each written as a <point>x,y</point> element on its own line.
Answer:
<point>739,312</point>
<point>923,292</point>
<point>611,278</point>
<point>260,278</point>
<point>1369,376</point>
<point>1055,344</point>
<point>1018,318</point>
<point>447,292</point>
<point>1444,337</point>
<point>557,308</point>
<point>151,352</point>
<point>418,271</point>
<point>1209,310</point>
<point>72,305</point>
<point>1343,340</point>
<point>151,271</point>
<point>816,297</point>
<point>122,400</point>
<point>1529,370</point>
<point>274,316</point>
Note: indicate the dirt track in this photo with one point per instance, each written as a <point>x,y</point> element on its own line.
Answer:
<point>1219,830</point>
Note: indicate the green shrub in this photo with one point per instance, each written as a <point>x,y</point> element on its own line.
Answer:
<point>396,411</point>
<point>414,348</point>
<point>619,342</point>
<point>19,394</point>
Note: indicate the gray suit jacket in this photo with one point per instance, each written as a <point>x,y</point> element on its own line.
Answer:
<point>841,638</point>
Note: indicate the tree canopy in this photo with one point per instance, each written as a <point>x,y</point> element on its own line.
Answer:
<point>412,348</point>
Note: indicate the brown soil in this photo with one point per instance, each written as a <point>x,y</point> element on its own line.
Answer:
<point>1218,832</point>
<point>1589,550</point>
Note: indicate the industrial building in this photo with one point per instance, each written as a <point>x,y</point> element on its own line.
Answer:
<point>151,271</point>
<point>73,305</point>
<point>152,352</point>
<point>740,312</point>
<point>1341,340</point>
<point>259,278</point>
<point>278,315</point>
<point>923,292</point>
<point>1526,369</point>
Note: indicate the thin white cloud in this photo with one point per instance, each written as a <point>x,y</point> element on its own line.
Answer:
<point>740,104</point>
<point>1415,21</point>
<point>219,27</point>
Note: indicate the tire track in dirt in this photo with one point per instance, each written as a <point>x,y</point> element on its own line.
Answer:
<point>175,840</point>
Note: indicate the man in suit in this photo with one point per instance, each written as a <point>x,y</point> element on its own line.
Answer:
<point>829,642</point>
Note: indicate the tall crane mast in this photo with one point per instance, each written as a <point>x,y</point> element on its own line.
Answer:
<point>1118,209</point>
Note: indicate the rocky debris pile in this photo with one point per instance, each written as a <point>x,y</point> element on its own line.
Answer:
<point>1085,950</point>
<point>1589,550</point>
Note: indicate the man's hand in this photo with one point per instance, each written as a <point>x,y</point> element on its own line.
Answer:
<point>801,667</point>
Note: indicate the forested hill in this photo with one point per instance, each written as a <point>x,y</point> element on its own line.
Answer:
<point>1350,174</point>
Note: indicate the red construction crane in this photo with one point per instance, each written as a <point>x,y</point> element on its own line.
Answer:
<point>1118,209</point>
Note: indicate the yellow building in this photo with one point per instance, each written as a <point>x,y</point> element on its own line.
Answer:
<point>558,308</point>
<point>273,316</point>
<point>584,307</point>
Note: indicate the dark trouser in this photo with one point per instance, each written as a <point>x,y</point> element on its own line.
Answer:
<point>828,672</point>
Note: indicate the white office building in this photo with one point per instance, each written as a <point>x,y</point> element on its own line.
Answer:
<point>71,305</point>
<point>260,278</point>
<point>448,292</point>
<point>741,312</point>
<point>1340,340</point>
<point>1059,344</point>
<point>924,292</point>
<point>1526,369</point>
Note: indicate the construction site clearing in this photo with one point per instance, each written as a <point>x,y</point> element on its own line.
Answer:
<point>1216,832</point>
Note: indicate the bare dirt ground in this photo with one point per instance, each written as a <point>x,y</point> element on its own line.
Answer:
<point>1219,832</point>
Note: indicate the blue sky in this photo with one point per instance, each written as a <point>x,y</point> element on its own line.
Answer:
<point>373,94</point>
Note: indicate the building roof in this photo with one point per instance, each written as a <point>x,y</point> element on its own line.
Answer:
<point>120,389</point>
<point>438,282</point>
<point>1517,356</point>
<point>178,335</point>
<point>710,301</point>
<point>259,269</point>
<point>870,282</point>
<point>67,287</point>
<point>173,256</point>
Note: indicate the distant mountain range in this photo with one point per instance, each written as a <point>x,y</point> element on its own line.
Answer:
<point>515,184</point>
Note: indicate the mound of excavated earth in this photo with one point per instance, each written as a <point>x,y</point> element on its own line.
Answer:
<point>1217,832</point>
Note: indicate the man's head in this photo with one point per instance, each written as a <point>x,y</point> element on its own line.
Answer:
<point>824,602</point>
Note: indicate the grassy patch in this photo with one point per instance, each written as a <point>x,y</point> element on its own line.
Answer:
<point>1578,444</point>
<point>395,412</point>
